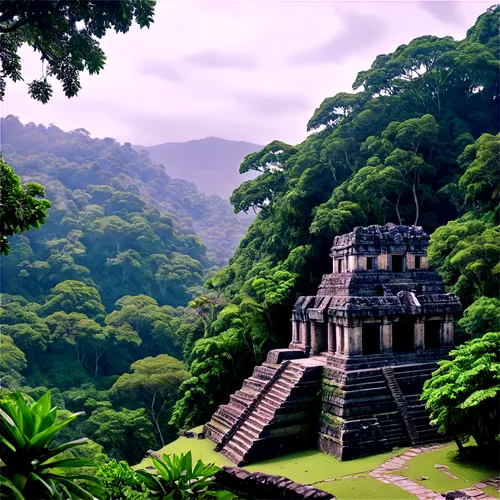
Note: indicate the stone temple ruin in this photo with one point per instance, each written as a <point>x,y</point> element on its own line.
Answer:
<point>350,382</point>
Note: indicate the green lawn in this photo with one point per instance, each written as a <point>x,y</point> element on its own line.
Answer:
<point>200,448</point>
<point>468,473</point>
<point>364,488</point>
<point>314,467</point>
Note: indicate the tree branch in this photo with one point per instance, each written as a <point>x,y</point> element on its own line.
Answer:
<point>15,26</point>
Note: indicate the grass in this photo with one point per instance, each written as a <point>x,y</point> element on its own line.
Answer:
<point>468,473</point>
<point>312,466</point>
<point>364,488</point>
<point>327,473</point>
<point>200,449</point>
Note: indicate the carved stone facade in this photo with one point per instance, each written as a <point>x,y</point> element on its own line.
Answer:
<point>361,349</point>
<point>380,305</point>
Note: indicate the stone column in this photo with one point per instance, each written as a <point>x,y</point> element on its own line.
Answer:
<point>354,334</point>
<point>339,334</point>
<point>295,332</point>
<point>305,334</point>
<point>386,344</point>
<point>448,331</point>
<point>419,338</point>
<point>332,339</point>
<point>315,340</point>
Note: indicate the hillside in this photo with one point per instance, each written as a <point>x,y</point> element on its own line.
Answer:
<point>102,288</point>
<point>416,144</point>
<point>77,162</point>
<point>211,163</point>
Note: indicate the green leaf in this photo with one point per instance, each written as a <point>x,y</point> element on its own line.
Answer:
<point>35,477</point>
<point>78,493</point>
<point>7,483</point>
<point>8,444</point>
<point>66,446</point>
<point>45,437</point>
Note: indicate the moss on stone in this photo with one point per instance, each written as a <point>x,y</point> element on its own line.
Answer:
<point>331,420</point>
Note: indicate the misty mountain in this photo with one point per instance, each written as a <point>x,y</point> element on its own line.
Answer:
<point>211,163</point>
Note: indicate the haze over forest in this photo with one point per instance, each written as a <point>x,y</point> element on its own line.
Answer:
<point>175,245</point>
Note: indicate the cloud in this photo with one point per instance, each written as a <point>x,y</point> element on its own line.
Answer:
<point>356,35</point>
<point>214,59</point>
<point>160,69</point>
<point>446,12</point>
<point>272,104</point>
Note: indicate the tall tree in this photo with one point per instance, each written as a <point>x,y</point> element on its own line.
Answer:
<point>154,384</point>
<point>463,395</point>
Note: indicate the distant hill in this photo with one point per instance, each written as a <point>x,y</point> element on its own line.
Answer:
<point>211,163</point>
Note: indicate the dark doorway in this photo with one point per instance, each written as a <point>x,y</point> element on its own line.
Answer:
<point>322,339</point>
<point>369,263</point>
<point>403,333</point>
<point>397,263</point>
<point>432,335</point>
<point>339,265</point>
<point>417,261</point>
<point>371,338</point>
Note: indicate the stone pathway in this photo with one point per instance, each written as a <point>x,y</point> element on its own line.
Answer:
<point>384,473</point>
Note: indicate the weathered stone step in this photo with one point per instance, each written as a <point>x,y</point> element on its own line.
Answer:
<point>257,421</point>
<point>242,441</point>
<point>222,419</point>
<point>263,372</point>
<point>275,396</point>
<point>251,429</point>
<point>232,457</point>
<point>289,378</point>
<point>269,405</point>
<point>283,386</point>
<point>239,399</point>
<point>392,426</point>
<point>263,410</point>
<point>233,410</point>
<point>254,384</point>
<point>213,432</point>
<point>422,421</point>
<point>236,449</point>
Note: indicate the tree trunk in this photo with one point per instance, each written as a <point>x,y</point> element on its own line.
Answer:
<point>96,362</point>
<point>460,446</point>
<point>417,208</point>
<point>156,419</point>
<point>397,210</point>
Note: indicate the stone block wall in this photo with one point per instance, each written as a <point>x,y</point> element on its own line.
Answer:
<point>257,485</point>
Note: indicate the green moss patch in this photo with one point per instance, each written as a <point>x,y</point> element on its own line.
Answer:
<point>200,449</point>
<point>312,466</point>
<point>467,473</point>
<point>316,468</point>
<point>364,488</point>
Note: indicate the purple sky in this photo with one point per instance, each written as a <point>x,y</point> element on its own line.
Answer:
<point>251,71</point>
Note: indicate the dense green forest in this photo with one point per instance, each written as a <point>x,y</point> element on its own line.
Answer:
<point>104,303</point>
<point>105,283</point>
<point>417,144</point>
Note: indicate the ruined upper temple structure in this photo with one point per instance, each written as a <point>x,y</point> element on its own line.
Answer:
<point>361,349</point>
<point>380,305</point>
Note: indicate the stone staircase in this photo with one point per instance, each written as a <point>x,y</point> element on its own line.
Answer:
<point>426,433</point>
<point>227,415</point>
<point>278,418</point>
<point>393,429</point>
<point>401,404</point>
<point>406,377</point>
<point>405,383</point>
